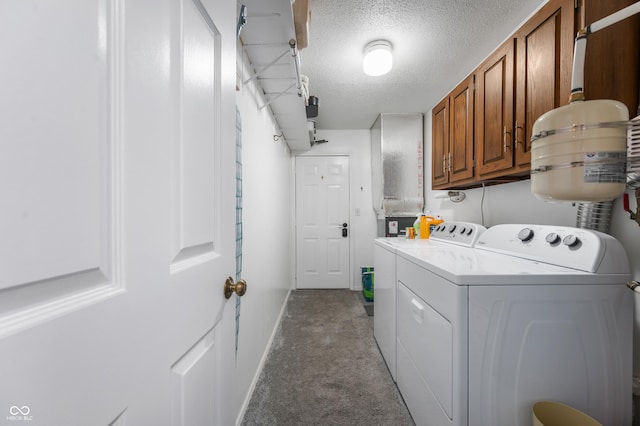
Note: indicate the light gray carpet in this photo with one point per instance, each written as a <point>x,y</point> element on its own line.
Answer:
<point>325,368</point>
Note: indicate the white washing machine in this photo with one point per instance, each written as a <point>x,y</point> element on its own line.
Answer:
<point>531,313</point>
<point>448,234</point>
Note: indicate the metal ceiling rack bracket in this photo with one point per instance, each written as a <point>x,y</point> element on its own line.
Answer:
<point>266,67</point>
<point>277,95</point>
<point>293,50</point>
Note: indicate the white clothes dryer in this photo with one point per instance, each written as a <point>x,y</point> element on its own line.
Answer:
<point>531,313</point>
<point>448,234</point>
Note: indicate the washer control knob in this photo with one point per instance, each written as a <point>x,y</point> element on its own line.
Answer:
<point>525,234</point>
<point>571,240</point>
<point>453,228</point>
<point>462,230</point>
<point>552,238</point>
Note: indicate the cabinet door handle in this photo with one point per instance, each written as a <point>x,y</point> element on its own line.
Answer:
<point>504,139</point>
<point>517,139</point>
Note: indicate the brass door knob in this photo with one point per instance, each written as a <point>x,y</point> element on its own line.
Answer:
<point>229,287</point>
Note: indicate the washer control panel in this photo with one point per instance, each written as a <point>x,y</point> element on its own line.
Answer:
<point>461,233</point>
<point>576,248</point>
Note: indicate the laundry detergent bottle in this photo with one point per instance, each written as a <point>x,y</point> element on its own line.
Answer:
<point>425,230</point>
<point>427,223</point>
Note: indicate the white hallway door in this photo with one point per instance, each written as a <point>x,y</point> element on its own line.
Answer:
<point>322,222</point>
<point>117,175</point>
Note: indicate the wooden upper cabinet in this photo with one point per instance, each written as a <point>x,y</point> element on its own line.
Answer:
<point>452,137</point>
<point>494,112</point>
<point>544,54</point>
<point>524,78</point>
<point>461,105</point>
<point>440,144</point>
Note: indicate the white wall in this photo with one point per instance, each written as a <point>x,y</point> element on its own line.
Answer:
<point>357,145</point>
<point>267,255</point>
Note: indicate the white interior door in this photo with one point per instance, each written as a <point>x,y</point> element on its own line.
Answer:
<point>116,211</point>
<point>322,222</point>
<point>203,211</point>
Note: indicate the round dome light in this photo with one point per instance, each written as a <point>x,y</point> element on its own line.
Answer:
<point>378,59</point>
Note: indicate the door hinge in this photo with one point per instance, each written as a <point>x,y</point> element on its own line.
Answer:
<point>576,4</point>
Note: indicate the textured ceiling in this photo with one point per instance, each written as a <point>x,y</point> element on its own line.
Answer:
<point>436,43</point>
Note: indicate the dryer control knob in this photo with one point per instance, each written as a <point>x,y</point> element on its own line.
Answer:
<point>525,234</point>
<point>571,240</point>
<point>552,238</point>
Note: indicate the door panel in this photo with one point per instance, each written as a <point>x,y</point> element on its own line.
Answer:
<point>203,214</point>
<point>493,98</point>
<point>613,60</point>
<point>61,211</point>
<point>335,263</point>
<point>542,95</point>
<point>57,170</point>
<point>440,144</point>
<point>461,144</point>
<point>322,208</point>
<point>193,392</point>
<point>494,123</point>
<point>117,215</point>
<point>544,46</point>
<point>194,147</point>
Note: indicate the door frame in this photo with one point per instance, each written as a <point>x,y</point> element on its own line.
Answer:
<point>294,222</point>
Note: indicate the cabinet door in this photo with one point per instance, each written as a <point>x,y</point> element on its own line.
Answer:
<point>494,114</point>
<point>612,61</point>
<point>440,144</point>
<point>544,57</point>
<point>461,103</point>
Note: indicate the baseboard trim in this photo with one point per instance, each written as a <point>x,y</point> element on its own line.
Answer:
<point>265,354</point>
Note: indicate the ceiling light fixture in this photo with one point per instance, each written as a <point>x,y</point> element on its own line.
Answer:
<point>378,59</point>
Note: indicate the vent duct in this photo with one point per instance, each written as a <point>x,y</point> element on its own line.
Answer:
<point>596,216</point>
<point>397,165</point>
